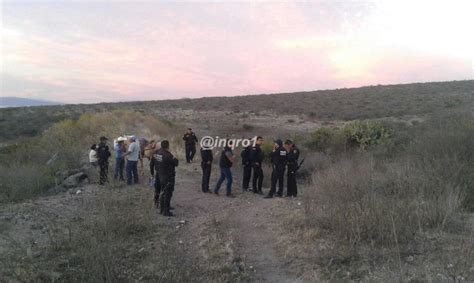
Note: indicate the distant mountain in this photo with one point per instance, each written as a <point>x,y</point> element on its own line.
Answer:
<point>21,102</point>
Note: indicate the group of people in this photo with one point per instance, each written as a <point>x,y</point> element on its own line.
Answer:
<point>284,157</point>
<point>100,153</point>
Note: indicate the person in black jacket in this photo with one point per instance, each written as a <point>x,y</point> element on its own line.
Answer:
<point>103,154</point>
<point>246,167</point>
<point>279,160</point>
<point>293,155</point>
<point>190,141</point>
<point>256,158</point>
<point>206,165</point>
<point>165,164</point>
<point>225,163</point>
<point>157,184</point>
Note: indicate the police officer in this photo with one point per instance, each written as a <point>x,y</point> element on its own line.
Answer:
<point>206,165</point>
<point>246,166</point>
<point>165,168</point>
<point>279,160</point>
<point>154,173</point>
<point>293,155</point>
<point>256,158</point>
<point>190,141</point>
<point>103,154</point>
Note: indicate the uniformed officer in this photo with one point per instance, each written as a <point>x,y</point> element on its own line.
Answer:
<point>154,173</point>
<point>293,155</point>
<point>256,159</point>
<point>279,160</point>
<point>246,167</point>
<point>103,154</point>
<point>165,168</point>
<point>206,165</point>
<point>190,141</point>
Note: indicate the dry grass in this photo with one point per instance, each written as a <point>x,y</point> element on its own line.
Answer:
<point>115,237</point>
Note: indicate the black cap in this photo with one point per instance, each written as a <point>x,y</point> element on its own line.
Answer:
<point>102,138</point>
<point>288,142</point>
<point>279,142</point>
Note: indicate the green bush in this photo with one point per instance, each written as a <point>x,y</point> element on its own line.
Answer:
<point>365,134</point>
<point>267,148</point>
<point>359,134</point>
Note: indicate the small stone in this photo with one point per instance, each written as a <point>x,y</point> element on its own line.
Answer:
<point>410,258</point>
<point>182,222</point>
<point>180,242</point>
<point>78,192</point>
<point>299,203</point>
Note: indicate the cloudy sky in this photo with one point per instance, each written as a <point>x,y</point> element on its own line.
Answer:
<point>92,51</point>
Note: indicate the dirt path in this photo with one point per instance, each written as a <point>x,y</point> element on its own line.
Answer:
<point>250,224</point>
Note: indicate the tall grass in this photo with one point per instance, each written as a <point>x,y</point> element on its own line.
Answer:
<point>379,197</point>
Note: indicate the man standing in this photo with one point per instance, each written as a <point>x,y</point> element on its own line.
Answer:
<point>165,168</point>
<point>293,155</point>
<point>132,160</point>
<point>154,173</point>
<point>206,165</point>
<point>119,161</point>
<point>103,154</point>
<point>225,163</point>
<point>256,159</point>
<point>279,160</point>
<point>190,141</point>
<point>247,167</point>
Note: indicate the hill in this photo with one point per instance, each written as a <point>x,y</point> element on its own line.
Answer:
<point>10,101</point>
<point>371,102</point>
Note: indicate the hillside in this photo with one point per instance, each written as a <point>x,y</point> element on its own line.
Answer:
<point>369,102</point>
<point>8,101</point>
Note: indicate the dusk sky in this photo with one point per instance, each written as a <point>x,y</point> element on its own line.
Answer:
<point>86,51</point>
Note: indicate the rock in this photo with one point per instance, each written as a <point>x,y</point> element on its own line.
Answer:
<point>182,222</point>
<point>74,180</point>
<point>78,192</point>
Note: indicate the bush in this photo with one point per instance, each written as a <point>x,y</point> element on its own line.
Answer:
<point>359,134</point>
<point>365,134</point>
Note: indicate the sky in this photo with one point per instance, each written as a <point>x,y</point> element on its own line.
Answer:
<point>101,51</point>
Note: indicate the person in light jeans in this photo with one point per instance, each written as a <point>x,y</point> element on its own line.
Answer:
<point>132,154</point>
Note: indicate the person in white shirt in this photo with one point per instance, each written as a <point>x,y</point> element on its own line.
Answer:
<point>132,155</point>
<point>93,156</point>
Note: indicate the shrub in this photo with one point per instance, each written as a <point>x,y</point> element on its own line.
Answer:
<point>359,134</point>
<point>248,127</point>
<point>365,134</point>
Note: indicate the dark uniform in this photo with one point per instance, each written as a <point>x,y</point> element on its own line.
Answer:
<point>247,167</point>
<point>103,154</point>
<point>157,179</point>
<point>190,141</point>
<point>293,156</point>
<point>256,159</point>
<point>206,165</point>
<point>279,160</point>
<point>165,164</point>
